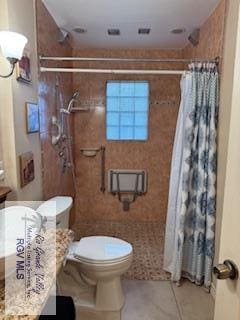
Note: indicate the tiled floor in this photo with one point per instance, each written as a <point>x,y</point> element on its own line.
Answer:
<point>147,239</point>
<point>160,300</point>
<point>148,300</point>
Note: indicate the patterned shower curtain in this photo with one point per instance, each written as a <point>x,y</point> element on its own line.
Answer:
<point>195,196</point>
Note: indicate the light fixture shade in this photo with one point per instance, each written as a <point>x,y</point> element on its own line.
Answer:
<point>12,44</point>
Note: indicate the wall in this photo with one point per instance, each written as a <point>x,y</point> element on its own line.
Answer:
<point>153,155</point>
<point>7,135</point>
<point>19,16</point>
<point>89,128</point>
<point>55,181</point>
<point>211,36</point>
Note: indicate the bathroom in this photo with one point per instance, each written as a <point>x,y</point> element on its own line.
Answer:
<point>72,151</point>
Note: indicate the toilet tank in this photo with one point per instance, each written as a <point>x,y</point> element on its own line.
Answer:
<point>57,208</point>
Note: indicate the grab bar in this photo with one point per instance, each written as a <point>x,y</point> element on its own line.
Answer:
<point>91,153</point>
<point>103,188</point>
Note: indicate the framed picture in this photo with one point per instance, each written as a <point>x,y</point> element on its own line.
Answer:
<point>23,68</point>
<point>32,117</point>
<point>27,173</point>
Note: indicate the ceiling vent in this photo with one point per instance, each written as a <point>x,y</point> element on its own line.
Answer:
<point>113,32</point>
<point>80,30</point>
<point>144,30</point>
<point>178,31</point>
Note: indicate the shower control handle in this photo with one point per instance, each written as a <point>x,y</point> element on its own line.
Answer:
<point>227,270</point>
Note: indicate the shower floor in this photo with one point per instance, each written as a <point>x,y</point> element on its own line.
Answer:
<point>147,239</point>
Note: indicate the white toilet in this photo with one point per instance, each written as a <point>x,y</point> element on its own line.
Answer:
<point>56,210</point>
<point>94,264</point>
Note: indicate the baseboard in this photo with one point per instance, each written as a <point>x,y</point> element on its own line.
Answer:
<point>213,291</point>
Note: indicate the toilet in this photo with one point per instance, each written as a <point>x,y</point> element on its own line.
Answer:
<point>56,210</point>
<point>94,265</point>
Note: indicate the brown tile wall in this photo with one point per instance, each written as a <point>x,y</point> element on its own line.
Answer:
<point>89,128</point>
<point>211,36</point>
<point>153,155</point>
<point>55,182</point>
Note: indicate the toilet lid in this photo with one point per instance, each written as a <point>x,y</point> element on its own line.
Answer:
<point>101,249</point>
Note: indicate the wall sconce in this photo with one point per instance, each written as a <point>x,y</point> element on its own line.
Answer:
<point>12,45</point>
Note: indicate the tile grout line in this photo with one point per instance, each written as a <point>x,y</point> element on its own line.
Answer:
<point>175,298</point>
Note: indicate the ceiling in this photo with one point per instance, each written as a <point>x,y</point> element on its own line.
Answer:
<point>162,16</point>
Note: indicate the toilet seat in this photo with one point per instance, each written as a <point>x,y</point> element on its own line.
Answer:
<point>101,263</point>
<point>100,250</point>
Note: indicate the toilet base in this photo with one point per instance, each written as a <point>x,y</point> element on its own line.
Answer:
<point>109,295</point>
<point>83,313</point>
<point>103,296</point>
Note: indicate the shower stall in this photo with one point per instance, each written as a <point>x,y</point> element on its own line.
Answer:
<point>98,213</point>
<point>87,71</point>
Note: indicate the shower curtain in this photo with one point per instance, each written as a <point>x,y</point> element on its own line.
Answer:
<point>190,229</point>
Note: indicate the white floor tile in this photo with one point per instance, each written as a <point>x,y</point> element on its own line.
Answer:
<point>149,300</point>
<point>194,302</point>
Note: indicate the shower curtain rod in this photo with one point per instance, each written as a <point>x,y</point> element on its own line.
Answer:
<point>113,71</point>
<point>42,58</point>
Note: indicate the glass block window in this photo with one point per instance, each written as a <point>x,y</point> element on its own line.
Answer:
<point>127,107</point>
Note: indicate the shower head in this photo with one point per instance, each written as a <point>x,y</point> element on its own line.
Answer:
<point>75,97</point>
<point>194,37</point>
<point>63,35</point>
